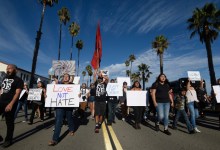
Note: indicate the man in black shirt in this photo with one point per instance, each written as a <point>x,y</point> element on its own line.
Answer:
<point>10,91</point>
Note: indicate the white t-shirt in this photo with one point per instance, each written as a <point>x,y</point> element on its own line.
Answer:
<point>83,92</point>
<point>191,96</point>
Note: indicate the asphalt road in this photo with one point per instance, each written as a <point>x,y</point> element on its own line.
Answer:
<point>120,135</point>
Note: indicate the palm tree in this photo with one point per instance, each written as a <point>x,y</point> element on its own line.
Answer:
<point>89,71</point>
<point>74,31</point>
<point>127,63</point>
<point>131,59</point>
<point>37,43</point>
<point>206,23</point>
<point>83,74</point>
<point>135,76</point>
<point>79,46</point>
<point>64,17</point>
<point>144,69</point>
<point>160,44</point>
<point>90,76</point>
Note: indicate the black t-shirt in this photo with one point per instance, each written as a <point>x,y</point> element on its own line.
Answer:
<point>100,92</point>
<point>162,92</point>
<point>23,97</point>
<point>92,92</point>
<point>9,86</point>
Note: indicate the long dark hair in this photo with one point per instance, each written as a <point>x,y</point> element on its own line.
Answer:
<point>133,86</point>
<point>158,79</point>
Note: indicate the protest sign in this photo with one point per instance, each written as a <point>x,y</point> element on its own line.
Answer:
<point>34,94</point>
<point>194,75</point>
<point>61,67</point>
<point>120,80</point>
<point>76,80</point>
<point>62,95</point>
<point>114,89</point>
<point>136,98</point>
<point>216,89</point>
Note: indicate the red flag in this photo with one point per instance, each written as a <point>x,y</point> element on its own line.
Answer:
<point>96,59</point>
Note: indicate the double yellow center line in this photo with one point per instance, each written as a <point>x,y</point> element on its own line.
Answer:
<point>112,135</point>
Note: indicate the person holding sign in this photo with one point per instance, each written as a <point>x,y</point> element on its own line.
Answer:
<point>11,88</point>
<point>123,102</point>
<point>84,93</point>
<point>162,99</point>
<point>60,113</point>
<point>138,110</point>
<point>112,104</point>
<point>100,99</point>
<point>38,104</point>
<point>23,101</point>
<point>91,100</point>
<point>191,104</point>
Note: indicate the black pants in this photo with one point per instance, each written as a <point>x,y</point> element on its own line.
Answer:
<point>9,119</point>
<point>138,113</point>
<point>34,108</point>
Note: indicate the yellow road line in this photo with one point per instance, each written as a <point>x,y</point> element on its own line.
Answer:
<point>108,145</point>
<point>115,139</point>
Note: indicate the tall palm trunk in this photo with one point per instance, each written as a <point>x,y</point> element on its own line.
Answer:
<point>60,41</point>
<point>130,69</point>
<point>78,62</point>
<point>143,78</point>
<point>36,48</point>
<point>161,63</point>
<point>90,79</point>
<point>71,50</point>
<point>210,61</point>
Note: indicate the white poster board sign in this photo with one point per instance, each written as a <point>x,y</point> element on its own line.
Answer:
<point>62,95</point>
<point>194,75</point>
<point>120,80</point>
<point>136,98</point>
<point>216,89</point>
<point>114,89</point>
<point>76,80</point>
<point>34,94</point>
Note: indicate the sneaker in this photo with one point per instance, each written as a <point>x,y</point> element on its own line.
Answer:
<point>52,143</point>
<point>157,127</point>
<point>1,138</point>
<point>6,144</point>
<point>96,129</point>
<point>24,121</point>
<point>99,125</point>
<point>109,123</point>
<point>30,123</point>
<point>123,119</point>
<point>113,121</point>
<point>197,130</point>
<point>167,132</point>
<point>192,132</point>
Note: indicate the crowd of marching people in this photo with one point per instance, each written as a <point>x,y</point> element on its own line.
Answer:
<point>190,103</point>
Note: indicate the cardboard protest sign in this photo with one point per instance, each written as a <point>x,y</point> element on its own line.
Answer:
<point>120,80</point>
<point>136,98</point>
<point>34,94</point>
<point>63,66</point>
<point>114,89</point>
<point>62,95</point>
<point>76,80</point>
<point>216,89</point>
<point>194,75</point>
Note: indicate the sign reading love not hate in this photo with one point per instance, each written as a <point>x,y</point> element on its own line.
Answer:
<point>62,95</point>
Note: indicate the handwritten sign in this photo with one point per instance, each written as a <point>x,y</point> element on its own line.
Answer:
<point>114,89</point>
<point>34,94</point>
<point>216,89</point>
<point>120,80</point>
<point>136,98</point>
<point>62,95</point>
<point>194,75</point>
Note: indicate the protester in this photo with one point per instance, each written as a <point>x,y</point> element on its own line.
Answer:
<point>192,105</point>
<point>162,99</point>
<point>84,94</point>
<point>112,104</point>
<point>91,100</point>
<point>123,102</point>
<point>180,105</point>
<point>100,99</point>
<point>138,110</point>
<point>38,104</point>
<point>11,88</point>
<point>23,102</point>
<point>60,112</point>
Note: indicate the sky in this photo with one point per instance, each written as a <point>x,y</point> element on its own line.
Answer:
<point>127,27</point>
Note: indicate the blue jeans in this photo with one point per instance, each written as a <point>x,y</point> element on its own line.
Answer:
<point>20,103</point>
<point>60,112</point>
<point>111,111</point>
<point>183,113</point>
<point>163,113</point>
<point>194,113</point>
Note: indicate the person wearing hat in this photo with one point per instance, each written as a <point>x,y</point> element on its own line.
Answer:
<point>180,105</point>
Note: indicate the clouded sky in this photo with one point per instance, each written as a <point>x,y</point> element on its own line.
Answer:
<point>127,27</point>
